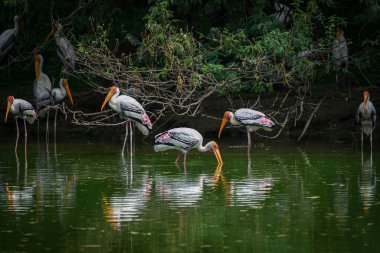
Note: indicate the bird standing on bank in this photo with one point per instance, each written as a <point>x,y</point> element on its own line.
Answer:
<point>59,94</point>
<point>251,119</point>
<point>42,89</point>
<point>8,38</point>
<point>130,109</point>
<point>183,139</point>
<point>366,117</point>
<point>21,109</point>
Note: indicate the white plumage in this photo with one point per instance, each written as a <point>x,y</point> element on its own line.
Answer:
<point>42,85</point>
<point>366,117</point>
<point>251,119</point>
<point>183,139</point>
<point>130,109</point>
<point>20,109</point>
<point>8,37</point>
<point>65,50</point>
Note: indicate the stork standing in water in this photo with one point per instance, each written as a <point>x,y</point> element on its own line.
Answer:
<point>183,139</point>
<point>8,37</point>
<point>130,109</point>
<point>366,117</point>
<point>21,109</point>
<point>59,94</point>
<point>251,119</point>
<point>42,89</point>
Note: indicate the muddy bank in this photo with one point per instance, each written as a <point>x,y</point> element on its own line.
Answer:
<point>333,121</point>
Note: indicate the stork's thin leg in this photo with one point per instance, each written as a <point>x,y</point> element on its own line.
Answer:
<point>26,138</point>
<point>17,135</point>
<point>55,124</point>
<point>184,159</point>
<point>176,160</point>
<point>362,141</point>
<point>371,145</point>
<point>131,137</point>
<point>249,138</point>
<point>47,126</point>
<point>126,136</point>
<point>38,130</point>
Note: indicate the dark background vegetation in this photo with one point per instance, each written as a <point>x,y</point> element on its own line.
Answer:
<point>224,37</point>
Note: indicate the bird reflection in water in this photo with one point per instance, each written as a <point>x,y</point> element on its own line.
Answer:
<point>128,206</point>
<point>20,196</point>
<point>217,177</point>
<point>367,183</point>
<point>341,197</point>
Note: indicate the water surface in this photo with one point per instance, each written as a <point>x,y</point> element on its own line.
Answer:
<point>288,197</point>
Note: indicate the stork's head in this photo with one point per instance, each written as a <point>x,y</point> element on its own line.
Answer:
<point>365,98</point>
<point>112,92</point>
<point>10,100</point>
<point>213,146</point>
<point>65,85</point>
<point>226,118</point>
<point>339,32</point>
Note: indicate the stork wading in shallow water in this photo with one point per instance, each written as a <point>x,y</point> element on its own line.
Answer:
<point>8,38</point>
<point>58,95</point>
<point>130,109</point>
<point>21,109</point>
<point>251,119</point>
<point>183,139</point>
<point>366,117</point>
<point>42,89</point>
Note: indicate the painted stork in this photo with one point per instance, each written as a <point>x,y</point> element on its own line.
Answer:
<point>366,117</point>
<point>42,89</point>
<point>8,37</point>
<point>130,109</point>
<point>58,95</point>
<point>65,50</point>
<point>251,119</point>
<point>340,51</point>
<point>21,109</point>
<point>183,139</point>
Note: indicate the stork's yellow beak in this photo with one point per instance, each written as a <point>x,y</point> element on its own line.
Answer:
<point>217,154</point>
<point>224,122</point>
<point>109,96</point>
<point>53,30</point>
<point>8,109</point>
<point>37,65</point>
<point>66,86</point>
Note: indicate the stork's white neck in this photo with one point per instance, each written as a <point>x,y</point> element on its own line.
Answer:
<point>233,120</point>
<point>63,90</point>
<point>17,25</point>
<point>205,148</point>
<point>41,63</point>
<point>113,103</point>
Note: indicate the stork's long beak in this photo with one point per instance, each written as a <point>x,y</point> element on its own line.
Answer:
<point>223,124</point>
<point>109,96</point>
<point>8,109</point>
<point>218,156</point>
<point>66,86</point>
<point>53,30</point>
<point>37,66</point>
<point>365,101</point>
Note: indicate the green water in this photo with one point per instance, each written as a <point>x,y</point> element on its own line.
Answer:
<point>286,197</point>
